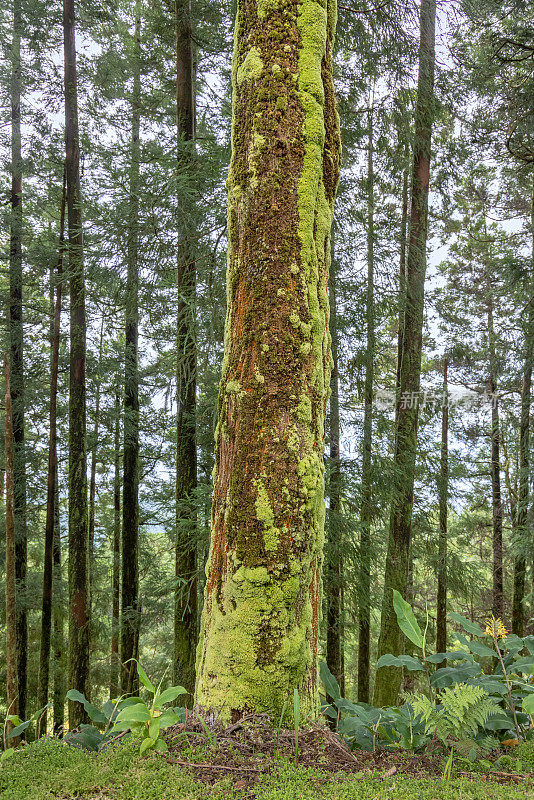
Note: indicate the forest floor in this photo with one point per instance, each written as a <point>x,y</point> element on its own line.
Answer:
<point>249,762</point>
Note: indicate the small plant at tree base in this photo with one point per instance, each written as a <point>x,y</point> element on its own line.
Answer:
<point>129,713</point>
<point>19,727</point>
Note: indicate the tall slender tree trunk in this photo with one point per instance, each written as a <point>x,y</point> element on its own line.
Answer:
<point>333,577</point>
<point>130,489</point>
<point>522,527</point>
<point>94,455</point>
<point>402,273</point>
<point>260,623</point>
<point>407,413</point>
<point>441,610</point>
<point>114,687</point>
<point>364,580</point>
<point>79,610</point>
<point>185,608</point>
<point>495,466</point>
<point>12,689</point>
<point>58,644</point>
<point>48,566</point>
<point>17,364</point>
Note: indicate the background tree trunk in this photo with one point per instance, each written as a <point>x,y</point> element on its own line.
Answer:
<point>114,687</point>
<point>441,610</point>
<point>78,671</point>
<point>259,635</point>
<point>130,488</point>
<point>48,566</point>
<point>59,660</point>
<point>12,690</point>
<point>407,413</point>
<point>16,337</point>
<point>185,608</point>
<point>333,577</point>
<point>495,466</point>
<point>523,539</point>
<point>364,581</point>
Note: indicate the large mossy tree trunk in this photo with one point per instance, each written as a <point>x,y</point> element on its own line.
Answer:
<point>130,616</point>
<point>260,623</point>
<point>185,605</point>
<point>407,413</point>
<point>366,514</point>
<point>443,492</point>
<point>333,577</point>
<point>58,616</point>
<point>79,610</point>
<point>51,493</point>
<point>16,336</point>
<point>522,528</point>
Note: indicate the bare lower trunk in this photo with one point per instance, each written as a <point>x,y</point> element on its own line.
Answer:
<point>130,489</point>
<point>333,578</point>
<point>48,567</point>
<point>364,580</point>
<point>185,600</point>
<point>114,686</point>
<point>407,412</point>
<point>12,689</point>
<point>78,670</point>
<point>441,610</point>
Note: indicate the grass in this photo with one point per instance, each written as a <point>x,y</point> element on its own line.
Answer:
<point>48,769</point>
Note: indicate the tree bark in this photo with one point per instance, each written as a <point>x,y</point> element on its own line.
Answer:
<point>333,577</point>
<point>48,566</point>
<point>185,601</point>
<point>16,337</point>
<point>114,686</point>
<point>260,623</point>
<point>522,527</point>
<point>366,515</point>
<point>59,661</point>
<point>92,479</point>
<point>79,610</point>
<point>12,689</point>
<point>407,412</point>
<point>441,610</point>
<point>495,467</point>
<point>130,489</point>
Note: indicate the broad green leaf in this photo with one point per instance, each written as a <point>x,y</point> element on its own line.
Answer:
<point>528,641</point>
<point>410,663</point>
<point>523,665</point>
<point>143,677</point>
<point>450,655</point>
<point>153,727</point>
<point>161,745</point>
<point>14,719</point>
<point>512,643</point>
<point>448,676</point>
<point>171,694</point>
<point>146,744</point>
<point>477,648</point>
<point>168,718</point>
<point>467,625</point>
<point>137,713</point>
<point>329,682</point>
<point>19,729</point>
<point>7,753</point>
<point>119,727</point>
<point>528,704</point>
<point>93,713</point>
<point>406,619</point>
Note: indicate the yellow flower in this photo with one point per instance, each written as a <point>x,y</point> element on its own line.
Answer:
<point>495,628</point>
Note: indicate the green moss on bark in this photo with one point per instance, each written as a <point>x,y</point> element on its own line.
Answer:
<point>260,622</point>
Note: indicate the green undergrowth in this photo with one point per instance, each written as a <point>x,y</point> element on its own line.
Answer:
<point>49,769</point>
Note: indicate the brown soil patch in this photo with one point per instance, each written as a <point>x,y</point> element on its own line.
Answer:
<point>251,748</point>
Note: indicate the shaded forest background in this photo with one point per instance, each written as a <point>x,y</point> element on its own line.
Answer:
<point>154,229</point>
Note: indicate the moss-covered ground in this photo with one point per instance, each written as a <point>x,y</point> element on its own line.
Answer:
<point>49,769</point>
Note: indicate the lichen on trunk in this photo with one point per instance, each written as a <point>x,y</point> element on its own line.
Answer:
<point>261,610</point>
